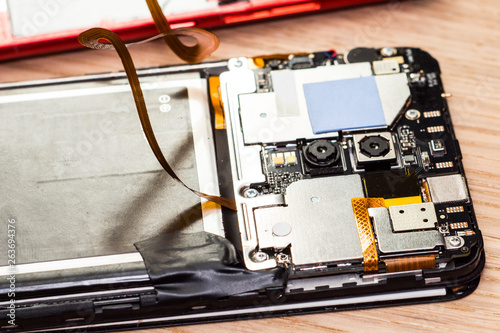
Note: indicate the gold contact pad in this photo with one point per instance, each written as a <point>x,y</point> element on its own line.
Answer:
<point>283,159</point>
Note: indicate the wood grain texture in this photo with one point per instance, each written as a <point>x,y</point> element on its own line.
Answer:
<point>464,35</point>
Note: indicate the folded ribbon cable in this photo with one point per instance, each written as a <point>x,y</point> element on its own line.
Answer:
<point>206,44</point>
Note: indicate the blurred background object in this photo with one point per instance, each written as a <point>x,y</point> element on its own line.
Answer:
<point>34,27</point>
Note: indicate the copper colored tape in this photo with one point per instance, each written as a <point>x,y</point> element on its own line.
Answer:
<point>206,42</point>
<point>426,194</point>
<point>214,87</point>
<point>281,56</point>
<point>91,38</point>
<point>365,232</point>
<point>410,263</point>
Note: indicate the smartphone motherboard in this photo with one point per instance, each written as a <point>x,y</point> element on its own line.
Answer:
<point>345,164</point>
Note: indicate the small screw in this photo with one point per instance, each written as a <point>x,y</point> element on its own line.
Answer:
<point>259,257</point>
<point>388,51</point>
<point>282,257</point>
<point>455,241</point>
<point>250,193</point>
<point>412,114</point>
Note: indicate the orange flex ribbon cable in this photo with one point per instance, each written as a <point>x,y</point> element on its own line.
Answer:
<point>91,38</point>
<point>410,263</point>
<point>365,232</point>
<point>206,41</point>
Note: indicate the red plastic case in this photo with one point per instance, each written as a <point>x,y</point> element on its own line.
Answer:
<point>226,13</point>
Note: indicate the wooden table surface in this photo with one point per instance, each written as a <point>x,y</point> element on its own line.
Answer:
<point>464,35</point>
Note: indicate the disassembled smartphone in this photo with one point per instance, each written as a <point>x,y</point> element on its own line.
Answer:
<point>345,169</point>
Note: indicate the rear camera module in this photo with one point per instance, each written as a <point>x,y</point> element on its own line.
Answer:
<point>322,157</point>
<point>321,153</point>
<point>374,149</point>
<point>374,146</point>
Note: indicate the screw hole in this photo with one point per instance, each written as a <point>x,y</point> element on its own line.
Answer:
<point>426,220</point>
<point>422,209</point>
<point>401,211</point>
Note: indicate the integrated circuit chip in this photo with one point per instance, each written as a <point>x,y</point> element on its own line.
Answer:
<point>392,184</point>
